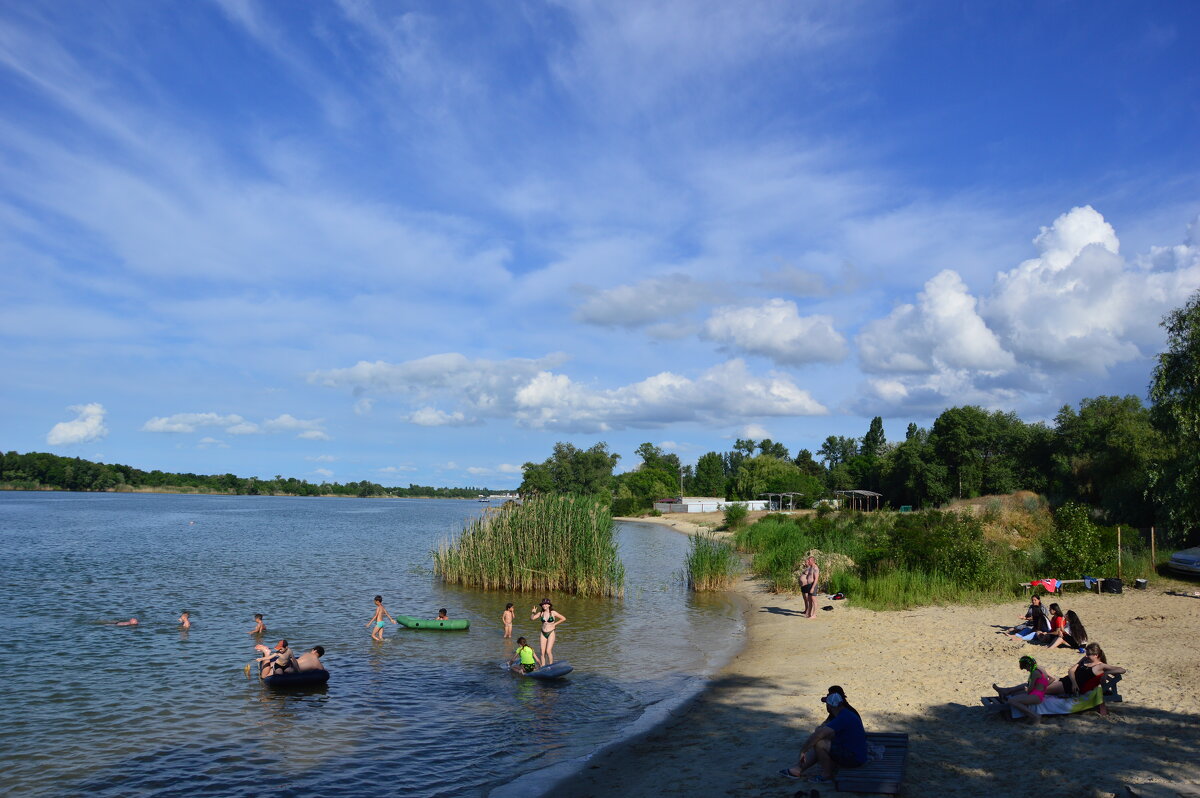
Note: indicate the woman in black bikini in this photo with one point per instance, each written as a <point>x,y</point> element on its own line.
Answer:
<point>550,620</point>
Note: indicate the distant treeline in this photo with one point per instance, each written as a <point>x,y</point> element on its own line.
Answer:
<point>40,471</point>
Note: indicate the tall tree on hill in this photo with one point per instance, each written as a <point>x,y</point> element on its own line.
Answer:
<point>837,450</point>
<point>1175,413</point>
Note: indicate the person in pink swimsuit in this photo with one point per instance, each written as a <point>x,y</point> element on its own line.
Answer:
<point>1023,697</point>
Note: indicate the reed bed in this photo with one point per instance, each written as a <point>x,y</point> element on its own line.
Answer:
<point>711,564</point>
<point>560,544</point>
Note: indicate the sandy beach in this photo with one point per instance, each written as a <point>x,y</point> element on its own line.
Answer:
<point>922,672</point>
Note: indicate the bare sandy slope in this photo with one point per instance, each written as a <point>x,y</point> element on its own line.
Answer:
<point>922,672</point>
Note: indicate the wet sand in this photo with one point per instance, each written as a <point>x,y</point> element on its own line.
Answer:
<point>922,672</point>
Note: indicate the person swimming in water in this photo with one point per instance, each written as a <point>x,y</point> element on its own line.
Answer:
<point>443,615</point>
<point>506,618</point>
<point>529,661</point>
<point>377,619</point>
<point>185,621</point>
<point>130,622</point>
<point>550,619</point>
<point>259,626</point>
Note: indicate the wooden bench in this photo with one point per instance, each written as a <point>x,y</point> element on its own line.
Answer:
<point>1108,687</point>
<point>878,775</point>
<point>1061,582</point>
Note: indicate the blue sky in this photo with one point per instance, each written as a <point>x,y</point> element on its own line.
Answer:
<point>421,242</point>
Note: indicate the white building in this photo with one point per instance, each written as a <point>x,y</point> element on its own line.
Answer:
<point>703,504</point>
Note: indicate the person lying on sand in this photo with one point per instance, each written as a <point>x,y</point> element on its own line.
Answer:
<point>840,741</point>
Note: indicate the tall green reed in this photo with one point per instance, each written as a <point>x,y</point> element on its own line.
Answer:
<point>711,564</point>
<point>561,544</point>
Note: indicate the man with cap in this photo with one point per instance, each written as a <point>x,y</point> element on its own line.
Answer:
<point>840,741</point>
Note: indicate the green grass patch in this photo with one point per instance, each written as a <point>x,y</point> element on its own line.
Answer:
<point>561,544</point>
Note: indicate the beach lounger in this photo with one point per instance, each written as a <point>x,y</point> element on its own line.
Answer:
<point>1104,693</point>
<point>879,775</point>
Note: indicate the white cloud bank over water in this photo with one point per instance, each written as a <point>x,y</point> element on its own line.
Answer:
<point>539,398</point>
<point>88,425</point>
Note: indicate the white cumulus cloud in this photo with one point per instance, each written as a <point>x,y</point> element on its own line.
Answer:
<point>540,398</point>
<point>776,330</point>
<point>88,425</point>
<point>943,330</point>
<point>1077,307</point>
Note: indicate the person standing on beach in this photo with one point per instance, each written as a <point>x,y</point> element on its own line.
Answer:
<point>550,621</point>
<point>506,618</point>
<point>808,585</point>
<point>377,619</point>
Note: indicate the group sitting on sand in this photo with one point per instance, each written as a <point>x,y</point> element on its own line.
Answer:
<point>1051,628</point>
<point>1082,678</point>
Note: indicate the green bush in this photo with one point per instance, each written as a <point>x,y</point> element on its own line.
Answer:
<point>629,506</point>
<point>1075,547</point>
<point>735,515</point>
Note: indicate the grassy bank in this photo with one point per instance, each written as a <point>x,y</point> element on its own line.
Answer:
<point>559,544</point>
<point>887,560</point>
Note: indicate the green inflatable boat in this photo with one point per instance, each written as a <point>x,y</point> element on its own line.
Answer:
<point>452,624</point>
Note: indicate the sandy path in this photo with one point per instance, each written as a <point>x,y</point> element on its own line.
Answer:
<point>922,672</point>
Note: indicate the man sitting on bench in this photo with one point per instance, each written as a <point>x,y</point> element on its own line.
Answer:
<point>840,741</point>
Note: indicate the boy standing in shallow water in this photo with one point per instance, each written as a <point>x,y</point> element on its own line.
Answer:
<point>259,626</point>
<point>185,620</point>
<point>507,618</point>
<point>377,619</point>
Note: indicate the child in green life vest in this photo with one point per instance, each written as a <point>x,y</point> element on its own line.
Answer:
<point>528,657</point>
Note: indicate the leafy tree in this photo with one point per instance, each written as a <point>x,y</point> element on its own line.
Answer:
<point>837,450</point>
<point>770,448</point>
<point>1175,413</point>
<point>1104,455</point>
<point>710,475</point>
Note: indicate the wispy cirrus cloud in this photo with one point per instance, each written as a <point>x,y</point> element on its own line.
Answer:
<point>233,424</point>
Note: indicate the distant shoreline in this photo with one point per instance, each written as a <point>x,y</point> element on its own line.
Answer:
<point>205,492</point>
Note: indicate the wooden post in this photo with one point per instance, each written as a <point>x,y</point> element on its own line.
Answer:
<point>1118,552</point>
<point>1153,555</point>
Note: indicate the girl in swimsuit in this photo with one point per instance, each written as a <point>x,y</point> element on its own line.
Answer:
<point>1090,672</point>
<point>1024,697</point>
<point>377,619</point>
<point>550,620</point>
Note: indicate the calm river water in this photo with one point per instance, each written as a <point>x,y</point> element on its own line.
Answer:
<point>93,709</point>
